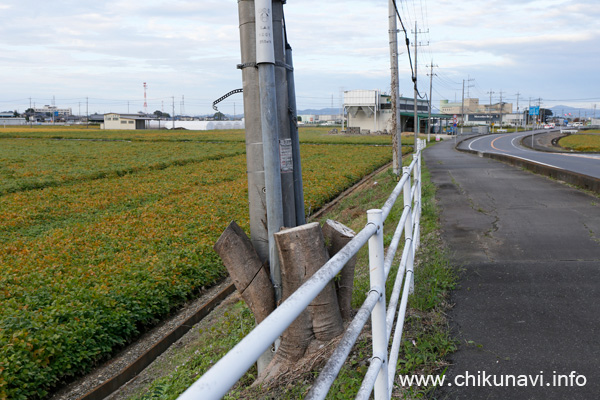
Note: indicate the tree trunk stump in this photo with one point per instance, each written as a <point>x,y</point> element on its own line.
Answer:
<point>302,250</point>
<point>249,276</point>
<point>337,235</point>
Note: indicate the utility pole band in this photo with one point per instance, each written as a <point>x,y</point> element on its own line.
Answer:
<point>265,51</point>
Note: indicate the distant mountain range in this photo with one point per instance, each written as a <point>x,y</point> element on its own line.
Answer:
<point>322,111</point>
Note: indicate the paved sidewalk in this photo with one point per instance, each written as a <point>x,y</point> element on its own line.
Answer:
<point>529,295</point>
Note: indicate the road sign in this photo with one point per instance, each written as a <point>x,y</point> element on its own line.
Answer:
<point>534,110</point>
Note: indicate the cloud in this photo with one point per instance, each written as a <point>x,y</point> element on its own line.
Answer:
<point>184,47</point>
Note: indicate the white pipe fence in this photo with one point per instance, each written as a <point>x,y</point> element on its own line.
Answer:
<point>217,381</point>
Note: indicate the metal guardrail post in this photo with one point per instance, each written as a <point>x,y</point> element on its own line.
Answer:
<point>417,200</point>
<point>378,316</point>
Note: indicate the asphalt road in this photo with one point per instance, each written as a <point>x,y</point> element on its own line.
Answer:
<point>527,310</point>
<point>587,164</point>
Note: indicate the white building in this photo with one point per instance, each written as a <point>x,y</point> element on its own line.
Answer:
<point>125,121</point>
<point>8,118</point>
<point>12,121</point>
<point>308,118</point>
<point>514,119</point>
<point>371,111</point>
<point>53,110</point>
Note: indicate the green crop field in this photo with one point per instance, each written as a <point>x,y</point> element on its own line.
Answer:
<point>102,238</point>
<point>581,142</point>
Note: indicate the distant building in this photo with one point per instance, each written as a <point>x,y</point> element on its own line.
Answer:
<point>52,110</point>
<point>476,113</point>
<point>126,121</point>
<point>319,119</point>
<point>371,110</point>
<point>12,121</point>
<point>472,106</point>
<point>514,119</point>
<point>308,118</point>
<point>95,118</point>
<point>8,118</point>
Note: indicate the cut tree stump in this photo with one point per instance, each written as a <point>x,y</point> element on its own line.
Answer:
<point>249,276</point>
<point>337,235</point>
<point>302,252</point>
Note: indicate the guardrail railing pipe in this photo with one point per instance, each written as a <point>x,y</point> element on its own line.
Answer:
<point>378,316</point>
<point>408,194</point>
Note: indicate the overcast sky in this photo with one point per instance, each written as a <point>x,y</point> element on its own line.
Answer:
<point>104,51</point>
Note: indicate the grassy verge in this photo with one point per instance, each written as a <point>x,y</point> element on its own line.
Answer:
<point>426,340</point>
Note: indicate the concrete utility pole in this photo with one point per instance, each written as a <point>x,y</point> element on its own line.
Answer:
<point>501,92</point>
<point>265,60</point>
<point>462,109</point>
<point>518,94</point>
<point>416,110</point>
<point>431,74</point>
<point>395,90</point>
<point>416,117</point>
<point>298,190</point>
<point>255,166</point>
<point>528,113</point>
<point>284,146</point>
<point>491,92</point>
<point>270,142</point>
<point>539,114</point>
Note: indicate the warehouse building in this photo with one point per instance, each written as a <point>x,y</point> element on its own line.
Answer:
<point>126,121</point>
<point>8,118</point>
<point>371,111</point>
